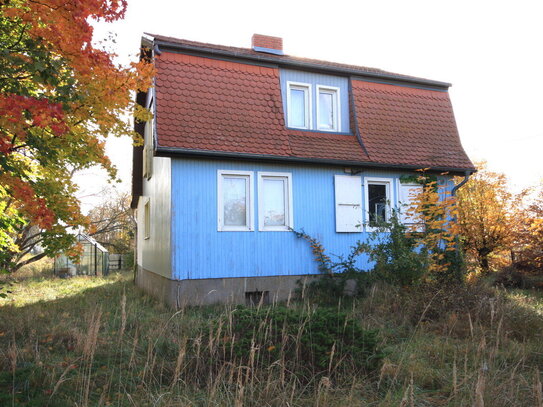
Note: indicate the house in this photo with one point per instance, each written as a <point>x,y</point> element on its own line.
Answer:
<point>247,144</point>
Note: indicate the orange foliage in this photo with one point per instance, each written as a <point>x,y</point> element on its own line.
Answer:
<point>61,98</point>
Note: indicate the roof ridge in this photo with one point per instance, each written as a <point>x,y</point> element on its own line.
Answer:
<point>293,60</point>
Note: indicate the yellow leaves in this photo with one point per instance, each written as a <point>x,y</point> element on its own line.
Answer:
<point>485,211</point>
<point>435,208</point>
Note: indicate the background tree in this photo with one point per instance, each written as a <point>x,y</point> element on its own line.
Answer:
<point>60,96</point>
<point>528,235</point>
<point>484,216</point>
<point>113,224</point>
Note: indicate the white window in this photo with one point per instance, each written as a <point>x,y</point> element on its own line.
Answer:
<point>328,108</point>
<point>275,201</point>
<point>235,200</point>
<point>407,196</point>
<point>378,197</point>
<point>299,105</point>
<point>348,193</point>
<point>147,219</point>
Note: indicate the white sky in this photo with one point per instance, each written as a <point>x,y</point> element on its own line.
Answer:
<point>491,51</point>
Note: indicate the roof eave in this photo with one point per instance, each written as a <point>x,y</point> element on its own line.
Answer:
<point>176,151</point>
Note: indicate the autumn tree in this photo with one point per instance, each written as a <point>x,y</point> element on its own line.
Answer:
<point>484,216</point>
<point>60,97</point>
<point>112,223</point>
<point>435,230</point>
<point>528,234</point>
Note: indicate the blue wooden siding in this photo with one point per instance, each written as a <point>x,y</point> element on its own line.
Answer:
<point>317,79</point>
<point>200,251</point>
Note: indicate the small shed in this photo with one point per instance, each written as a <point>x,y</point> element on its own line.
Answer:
<point>94,260</point>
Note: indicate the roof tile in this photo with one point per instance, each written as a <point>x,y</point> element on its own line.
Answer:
<point>402,125</point>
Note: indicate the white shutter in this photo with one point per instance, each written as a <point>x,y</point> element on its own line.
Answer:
<point>408,193</point>
<point>348,203</point>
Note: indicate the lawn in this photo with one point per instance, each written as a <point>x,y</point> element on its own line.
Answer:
<point>90,341</point>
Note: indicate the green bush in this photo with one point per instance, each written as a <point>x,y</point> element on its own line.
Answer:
<point>397,258</point>
<point>311,341</point>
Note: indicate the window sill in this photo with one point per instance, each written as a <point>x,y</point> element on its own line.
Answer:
<point>235,230</point>
<point>276,229</point>
<point>323,132</point>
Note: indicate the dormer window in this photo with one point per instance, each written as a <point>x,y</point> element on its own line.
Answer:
<point>299,105</point>
<point>315,101</point>
<point>327,108</point>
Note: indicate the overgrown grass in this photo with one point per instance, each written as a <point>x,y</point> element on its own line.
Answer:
<point>91,341</point>
<point>40,268</point>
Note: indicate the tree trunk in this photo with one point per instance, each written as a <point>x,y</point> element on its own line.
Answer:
<point>483,260</point>
<point>27,261</point>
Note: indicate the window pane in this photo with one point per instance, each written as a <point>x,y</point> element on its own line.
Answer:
<point>326,110</point>
<point>234,198</point>
<point>377,199</point>
<point>297,108</point>
<point>274,202</point>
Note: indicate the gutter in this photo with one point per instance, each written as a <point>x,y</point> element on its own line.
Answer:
<point>297,64</point>
<point>176,151</point>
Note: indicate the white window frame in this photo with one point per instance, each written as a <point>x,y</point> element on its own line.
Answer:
<point>335,106</point>
<point>388,182</point>
<point>249,201</point>
<point>289,210</point>
<point>415,226</point>
<point>306,87</point>
<point>147,218</point>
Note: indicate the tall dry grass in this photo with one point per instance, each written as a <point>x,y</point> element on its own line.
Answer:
<point>110,345</point>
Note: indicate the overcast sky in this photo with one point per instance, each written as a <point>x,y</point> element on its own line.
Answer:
<point>491,51</point>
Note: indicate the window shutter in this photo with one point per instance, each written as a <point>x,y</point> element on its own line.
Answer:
<point>406,198</point>
<point>348,203</point>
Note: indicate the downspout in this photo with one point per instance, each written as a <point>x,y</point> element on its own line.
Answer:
<point>457,187</point>
<point>460,269</point>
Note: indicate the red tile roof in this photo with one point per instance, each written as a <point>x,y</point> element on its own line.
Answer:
<point>207,104</point>
<point>402,125</point>
<point>214,106</point>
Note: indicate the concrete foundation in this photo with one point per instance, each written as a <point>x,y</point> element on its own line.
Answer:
<point>179,293</point>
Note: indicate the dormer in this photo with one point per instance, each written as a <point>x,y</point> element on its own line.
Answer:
<point>315,102</point>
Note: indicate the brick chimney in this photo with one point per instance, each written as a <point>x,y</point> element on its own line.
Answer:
<point>267,44</point>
